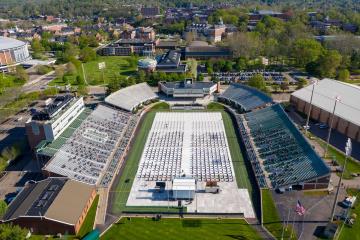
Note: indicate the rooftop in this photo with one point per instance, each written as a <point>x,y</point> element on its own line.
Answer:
<point>246,97</point>
<point>48,197</point>
<point>324,96</point>
<point>169,59</point>
<point>130,97</point>
<point>188,85</point>
<point>6,43</point>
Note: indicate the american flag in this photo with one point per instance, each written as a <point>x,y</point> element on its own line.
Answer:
<point>300,210</point>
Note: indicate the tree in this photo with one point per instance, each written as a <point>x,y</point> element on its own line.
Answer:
<point>192,64</point>
<point>276,87</point>
<point>258,81</point>
<point>12,232</point>
<point>306,51</point>
<point>37,48</point>
<point>200,77</point>
<point>328,63</point>
<point>21,74</point>
<point>241,64</point>
<point>59,71</point>
<point>71,69</point>
<point>343,75</point>
<point>228,66</point>
<point>284,85</point>
<point>247,45</point>
<point>80,81</point>
<point>3,207</point>
<point>87,54</point>
<point>301,83</point>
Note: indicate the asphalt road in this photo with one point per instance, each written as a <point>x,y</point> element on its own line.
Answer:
<point>39,84</point>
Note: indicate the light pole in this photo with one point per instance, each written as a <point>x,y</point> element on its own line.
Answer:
<point>337,99</point>
<point>348,149</point>
<point>315,82</point>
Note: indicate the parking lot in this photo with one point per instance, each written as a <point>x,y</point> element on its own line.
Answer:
<point>318,207</point>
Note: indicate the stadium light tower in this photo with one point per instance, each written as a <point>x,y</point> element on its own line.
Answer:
<point>337,99</point>
<point>315,82</point>
<point>348,149</point>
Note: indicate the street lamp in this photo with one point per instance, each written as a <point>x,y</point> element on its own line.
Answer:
<point>337,99</point>
<point>315,82</point>
<point>348,149</point>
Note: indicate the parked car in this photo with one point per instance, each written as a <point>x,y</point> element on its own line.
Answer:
<point>348,202</point>
<point>323,126</point>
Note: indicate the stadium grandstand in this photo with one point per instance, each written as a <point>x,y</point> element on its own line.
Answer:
<point>12,52</point>
<point>92,152</point>
<point>130,98</point>
<point>347,120</point>
<point>188,89</point>
<point>279,153</point>
<point>244,98</point>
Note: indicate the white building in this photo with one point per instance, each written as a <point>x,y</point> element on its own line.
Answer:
<point>48,123</point>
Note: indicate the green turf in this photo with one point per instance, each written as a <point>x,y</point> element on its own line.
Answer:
<point>241,173</point>
<point>116,67</point>
<point>352,232</point>
<point>271,217</point>
<point>215,106</point>
<point>161,106</point>
<point>88,223</point>
<point>199,229</point>
<point>124,185</point>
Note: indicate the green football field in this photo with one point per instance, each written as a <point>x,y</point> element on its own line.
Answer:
<point>199,229</point>
<point>123,187</point>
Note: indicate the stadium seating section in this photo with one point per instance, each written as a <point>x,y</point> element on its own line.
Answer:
<point>278,150</point>
<point>86,155</point>
<point>131,97</point>
<point>244,97</point>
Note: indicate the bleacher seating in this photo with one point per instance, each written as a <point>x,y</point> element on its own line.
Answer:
<point>85,155</point>
<point>244,97</point>
<point>281,152</point>
<point>130,97</point>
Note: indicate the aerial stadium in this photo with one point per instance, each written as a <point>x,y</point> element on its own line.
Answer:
<point>144,156</point>
<point>12,53</point>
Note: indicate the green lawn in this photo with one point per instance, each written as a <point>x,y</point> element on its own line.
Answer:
<point>140,228</point>
<point>271,217</point>
<point>116,67</point>
<point>161,106</point>
<point>352,166</point>
<point>89,219</point>
<point>241,173</point>
<point>352,232</point>
<point>215,106</point>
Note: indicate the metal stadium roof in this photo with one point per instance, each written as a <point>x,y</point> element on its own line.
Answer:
<point>6,43</point>
<point>324,96</point>
<point>130,97</point>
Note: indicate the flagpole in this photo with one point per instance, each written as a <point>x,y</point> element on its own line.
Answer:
<point>293,229</point>
<point>282,234</point>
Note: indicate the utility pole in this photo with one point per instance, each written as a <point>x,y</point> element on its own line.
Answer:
<point>348,149</point>
<point>337,99</point>
<point>309,111</point>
